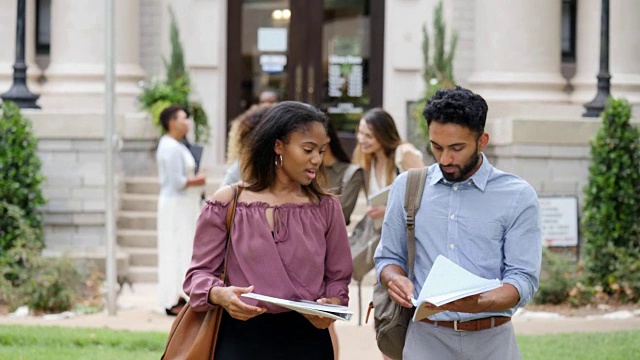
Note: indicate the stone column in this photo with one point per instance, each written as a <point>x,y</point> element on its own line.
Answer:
<point>625,49</point>
<point>8,18</point>
<point>8,38</point>
<point>33,71</point>
<point>584,82</point>
<point>517,51</point>
<point>75,77</point>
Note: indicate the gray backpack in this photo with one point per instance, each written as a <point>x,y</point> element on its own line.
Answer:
<point>391,320</point>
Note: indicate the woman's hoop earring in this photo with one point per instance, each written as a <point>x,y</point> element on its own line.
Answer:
<point>278,157</point>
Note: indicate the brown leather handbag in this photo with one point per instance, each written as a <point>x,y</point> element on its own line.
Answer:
<point>194,334</point>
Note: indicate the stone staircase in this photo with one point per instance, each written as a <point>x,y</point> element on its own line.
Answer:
<point>136,226</point>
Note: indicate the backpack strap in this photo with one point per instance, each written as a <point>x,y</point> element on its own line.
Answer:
<point>352,169</point>
<point>416,179</point>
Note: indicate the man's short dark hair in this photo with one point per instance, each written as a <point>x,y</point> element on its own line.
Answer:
<point>169,113</point>
<point>458,106</point>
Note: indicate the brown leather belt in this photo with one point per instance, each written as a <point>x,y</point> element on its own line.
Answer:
<point>471,325</point>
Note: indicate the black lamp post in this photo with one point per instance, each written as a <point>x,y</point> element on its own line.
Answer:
<point>596,106</point>
<point>19,93</point>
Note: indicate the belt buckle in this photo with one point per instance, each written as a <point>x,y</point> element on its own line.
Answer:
<point>455,326</point>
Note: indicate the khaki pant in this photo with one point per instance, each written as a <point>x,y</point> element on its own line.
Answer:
<point>426,341</point>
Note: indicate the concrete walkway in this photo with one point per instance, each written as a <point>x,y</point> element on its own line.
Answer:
<point>138,312</point>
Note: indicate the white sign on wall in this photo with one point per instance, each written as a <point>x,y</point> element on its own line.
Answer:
<point>272,39</point>
<point>559,217</point>
<point>273,63</point>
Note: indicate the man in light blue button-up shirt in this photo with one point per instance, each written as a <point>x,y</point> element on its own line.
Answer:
<point>483,219</point>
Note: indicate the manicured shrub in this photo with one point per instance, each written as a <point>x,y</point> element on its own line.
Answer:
<point>48,285</point>
<point>20,177</point>
<point>557,278</point>
<point>612,204</point>
<point>27,278</point>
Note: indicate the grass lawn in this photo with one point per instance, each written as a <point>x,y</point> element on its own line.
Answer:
<point>610,345</point>
<point>32,342</point>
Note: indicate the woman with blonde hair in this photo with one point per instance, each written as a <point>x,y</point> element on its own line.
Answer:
<point>241,128</point>
<point>382,154</point>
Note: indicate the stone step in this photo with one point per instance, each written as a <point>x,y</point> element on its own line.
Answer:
<point>142,256</point>
<point>139,202</point>
<point>151,186</point>
<point>143,274</point>
<point>137,238</point>
<point>137,220</point>
<point>142,185</point>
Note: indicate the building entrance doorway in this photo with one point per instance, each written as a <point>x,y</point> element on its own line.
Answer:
<point>324,52</point>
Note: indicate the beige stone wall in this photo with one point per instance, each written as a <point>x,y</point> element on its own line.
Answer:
<point>72,151</point>
<point>150,37</point>
<point>553,155</point>
<point>545,142</point>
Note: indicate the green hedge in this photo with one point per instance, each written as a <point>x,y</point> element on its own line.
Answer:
<point>611,213</point>
<point>20,176</point>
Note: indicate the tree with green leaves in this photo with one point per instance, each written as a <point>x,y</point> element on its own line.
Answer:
<point>175,89</point>
<point>175,68</point>
<point>437,69</point>
<point>610,223</point>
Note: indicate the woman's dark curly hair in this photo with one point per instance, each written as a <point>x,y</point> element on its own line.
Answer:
<point>277,123</point>
<point>458,106</point>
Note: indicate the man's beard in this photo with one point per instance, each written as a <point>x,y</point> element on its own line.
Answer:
<point>464,171</point>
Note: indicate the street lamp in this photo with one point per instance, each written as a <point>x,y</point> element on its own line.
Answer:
<point>596,106</point>
<point>19,93</point>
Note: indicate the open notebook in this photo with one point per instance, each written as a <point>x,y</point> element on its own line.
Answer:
<point>448,282</point>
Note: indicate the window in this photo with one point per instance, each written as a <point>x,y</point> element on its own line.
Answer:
<point>569,31</point>
<point>43,27</point>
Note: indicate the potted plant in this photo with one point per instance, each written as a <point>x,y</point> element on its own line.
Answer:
<point>175,89</point>
<point>437,74</point>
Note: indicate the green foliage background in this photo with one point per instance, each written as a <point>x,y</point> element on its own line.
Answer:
<point>27,278</point>
<point>557,278</point>
<point>438,69</point>
<point>175,89</point>
<point>610,223</point>
<point>20,177</point>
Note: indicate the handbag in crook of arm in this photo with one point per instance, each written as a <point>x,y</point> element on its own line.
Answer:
<point>194,334</point>
<point>390,319</point>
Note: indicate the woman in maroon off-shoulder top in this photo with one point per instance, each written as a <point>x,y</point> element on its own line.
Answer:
<point>289,240</point>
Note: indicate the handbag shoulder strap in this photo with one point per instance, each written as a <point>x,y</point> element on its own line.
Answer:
<point>352,169</point>
<point>231,215</point>
<point>416,179</point>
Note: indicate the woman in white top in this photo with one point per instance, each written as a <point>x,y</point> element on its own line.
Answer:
<point>178,207</point>
<point>382,154</point>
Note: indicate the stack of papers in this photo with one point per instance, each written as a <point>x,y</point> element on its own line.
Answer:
<point>337,312</point>
<point>448,282</point>
<point>379,199</point>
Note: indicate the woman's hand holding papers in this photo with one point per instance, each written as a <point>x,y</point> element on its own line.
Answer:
<point>376,211</point>
<point>319,321</point>
<point>227,297</point>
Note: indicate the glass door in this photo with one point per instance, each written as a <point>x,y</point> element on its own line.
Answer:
<point>324,52</point>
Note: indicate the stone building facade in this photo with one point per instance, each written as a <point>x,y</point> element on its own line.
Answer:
<point>510,52</point>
